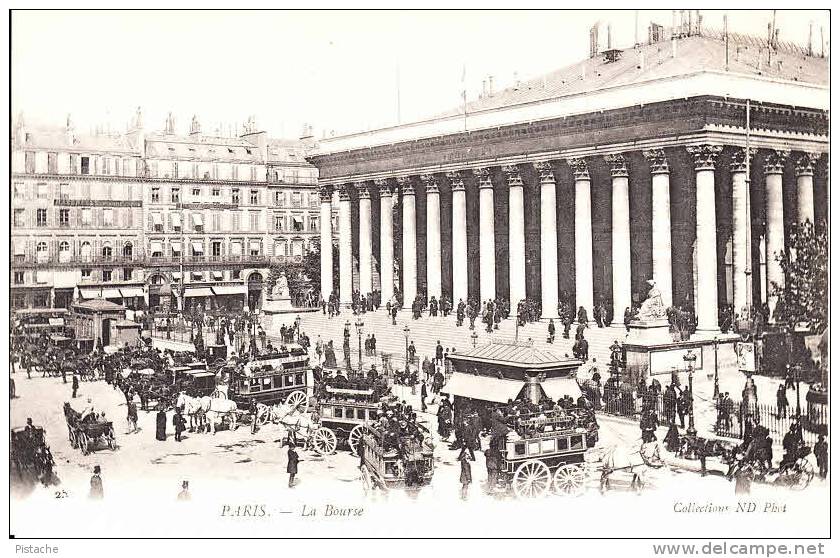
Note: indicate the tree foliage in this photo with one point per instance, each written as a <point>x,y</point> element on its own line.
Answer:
<point>803,299</point>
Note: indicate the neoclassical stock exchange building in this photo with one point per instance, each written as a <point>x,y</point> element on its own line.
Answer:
<point>591,180</point>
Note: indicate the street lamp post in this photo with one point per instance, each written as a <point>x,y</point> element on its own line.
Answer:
<point>689,358</point>
<point>297,328</point>
<point>474,338</point>
<point>717,382</point>
<point>797,369</point>
<point>406,331</point>
<point>359,325</point>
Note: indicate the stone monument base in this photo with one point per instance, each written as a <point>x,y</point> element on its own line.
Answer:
<point>652,351</point>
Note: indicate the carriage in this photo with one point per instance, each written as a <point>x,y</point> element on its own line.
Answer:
<point>545,452</point>
<point>346,407</point>
<point>30,459</point>
<point>410,464</point>
<point>279,377</point>
<point>88,433</point>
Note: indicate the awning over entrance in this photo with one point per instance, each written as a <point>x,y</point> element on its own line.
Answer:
<point>230,290</point>
<point>89,293</point>
<point>198,291</point>
<point>198,247</point>
<point>218,275</point>
<point>483,388</point>
<point>111,293</point>
<point>156,246</point>
<point>556,388</point>
<point>128,292</point>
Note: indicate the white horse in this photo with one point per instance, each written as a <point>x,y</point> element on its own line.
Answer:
<point>635,462</point>
<point>214,408</point>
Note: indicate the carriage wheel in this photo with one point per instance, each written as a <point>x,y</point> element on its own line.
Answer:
<point>264,418</point>
<point>532,479</point>
<point>569,480</point>
<point>355,437</point>
<point>367,483</point>
<point>298,400</point>
<point>324,441</point>
<point>797,476</point>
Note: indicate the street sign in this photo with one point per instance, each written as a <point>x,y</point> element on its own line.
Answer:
<point>745,353</point>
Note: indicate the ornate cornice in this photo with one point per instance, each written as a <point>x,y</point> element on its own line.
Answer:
<point>430,182</point>
<point>482,175</point>
<point>805,164</point>
<point>383,186</point>
<point>406,185</point>
<point>618,165</point>
<point>545,171</point>
<point>705,156</point>
<point>513,176</point>
<point>774,163</point>
<point>456,180</point>
<point>738,163</point>
<point>657,161</point>
<point>580,169</point>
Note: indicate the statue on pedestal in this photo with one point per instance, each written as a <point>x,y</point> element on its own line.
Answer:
<point>280,291</point>
<point>652,308</point>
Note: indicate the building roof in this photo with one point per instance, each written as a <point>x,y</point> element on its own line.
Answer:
<point>201,148</point>
<point>645,74</point>
<point>696,53</point>
<point>513,353</point>
<point>287,151</point>
<point>58,139</point>
<point>99,305</point>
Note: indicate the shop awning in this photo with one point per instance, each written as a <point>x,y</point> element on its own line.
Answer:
<point>218,275</point>
<point>176,246</point>
<point>198,291</point>
<point>157,219</point>
<point>156,246</point>
<point>198,247</point>
<point>230,290</point>
<point>197,220</point>
<point>111,293</point>
<point>89,293</point>
<point>556,388</point>
<point>176,219</point>
<point>128,292</point>
<point>483,388</point>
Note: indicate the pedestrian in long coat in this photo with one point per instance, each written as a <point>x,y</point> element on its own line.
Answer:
<point>466,475</point>
<point>96,490</point>
<point>423,395</point>
<point>292,466</point>
<point>160,431</point>
<point>180,425</point>
<point>75,385</point>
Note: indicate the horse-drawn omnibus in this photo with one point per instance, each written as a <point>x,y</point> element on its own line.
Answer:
<point>409,463</point>
<point>347,405</point>
<point>280,377</point>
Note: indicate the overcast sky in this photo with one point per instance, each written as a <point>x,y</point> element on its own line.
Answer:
<point>334,70</point>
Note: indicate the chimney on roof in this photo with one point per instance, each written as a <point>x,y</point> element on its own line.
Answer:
<point>490,86</point>
<point>195,126</point>
<point>810,38</point>
<point>609,36</point>
<point>593,40</point>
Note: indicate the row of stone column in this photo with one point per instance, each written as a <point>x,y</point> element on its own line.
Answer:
<point>705,158</point>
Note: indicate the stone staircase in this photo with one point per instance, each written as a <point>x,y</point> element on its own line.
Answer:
<point>426,331</point>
